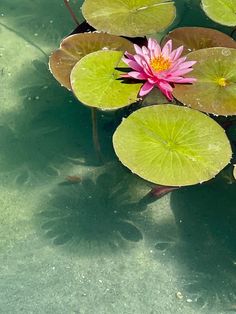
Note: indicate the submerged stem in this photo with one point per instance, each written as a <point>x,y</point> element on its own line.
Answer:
<point>71,12</point>
<point>96,142</point>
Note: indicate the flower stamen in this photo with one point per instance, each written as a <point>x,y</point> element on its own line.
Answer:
<point>222,82</point>
<point>160,63</point>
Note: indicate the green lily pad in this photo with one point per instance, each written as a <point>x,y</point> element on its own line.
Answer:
<point>75,47</point>
<point>234,172</point>
<point>195,38</point>
<point>129,18</point>
<point>96,81</point>
<point>172,145</point>
<point>221,11</point>
<point>215,88</point>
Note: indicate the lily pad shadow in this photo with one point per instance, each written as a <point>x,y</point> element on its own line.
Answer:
<point>206,217</point>
<point>50,129</point>
<point>97,215</point>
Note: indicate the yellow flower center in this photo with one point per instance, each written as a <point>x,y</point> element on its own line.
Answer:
<point>160,63</point>
<point>222,81</point>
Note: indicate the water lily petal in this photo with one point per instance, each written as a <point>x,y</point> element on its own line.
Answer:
<point>175,54</point>
<point>154,47</point>
<point>128,55</point>
<point>133,64</point>
<point>166,86</point>
<point>145,89</point>
<point>166,50</point>
<point>166,89</point>
<point>181,72</point>
<point>138,50</point>
<point>137,75</point>
<point>152,43</point>
<point>184,80</point>
<point>187,64</point>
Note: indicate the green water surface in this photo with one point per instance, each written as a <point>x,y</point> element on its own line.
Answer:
<point>92,247</point>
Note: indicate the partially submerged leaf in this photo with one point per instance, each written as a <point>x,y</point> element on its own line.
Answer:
<point>172,145</point>
<point>215,88</point>
<point>221,11</point>
<point>129,18</point>
<point>195,38</point>
<point>96,81</point>
<point>75,47</point>
<point>161,190</point>
<point>234,172</point>
<point>154,97</point>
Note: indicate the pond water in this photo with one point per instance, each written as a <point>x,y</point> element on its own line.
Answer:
<point>76,235</point>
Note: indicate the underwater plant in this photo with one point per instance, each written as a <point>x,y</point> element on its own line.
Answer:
<point>112,60</point>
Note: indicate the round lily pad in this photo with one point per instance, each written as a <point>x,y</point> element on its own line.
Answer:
<point>195,38</point>
<point>75,47</point>
<point>221,11</point>
<point>129,18</point>
<point>96,81</point>
<point>172,145</point>
<point>215,88</point>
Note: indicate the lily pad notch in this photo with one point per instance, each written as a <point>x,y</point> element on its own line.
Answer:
<point>96,81</point>
<point>129,18</point>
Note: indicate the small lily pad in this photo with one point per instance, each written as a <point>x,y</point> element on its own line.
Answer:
<point>172,145</point>
<point>195,38</point>
<point>96,81</point>
<point>75,47</point>
<point>221,11</point>
<point>215,88</point>
<point>129,18</point>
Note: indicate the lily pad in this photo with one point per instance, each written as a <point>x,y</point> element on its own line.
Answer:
<point>221,11</point>
<point>96,81</point>
<point>172,145</point>
<point>234,172</point>
<point>129,18</point>
<point>195,38</point>
<point>215,88</point>
<point>75,47</point>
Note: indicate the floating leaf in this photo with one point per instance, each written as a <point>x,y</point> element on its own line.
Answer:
<point>234,172</point>
<point>154,97</point>
<point>96,81</point>
<point>215,88</point>
<point>172,145</point>
<point>75,47</point>
<point>195,38</point>
<point>221,11</point>
<point>129,18</point>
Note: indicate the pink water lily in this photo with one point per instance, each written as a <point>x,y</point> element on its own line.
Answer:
<point>158,67</point>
